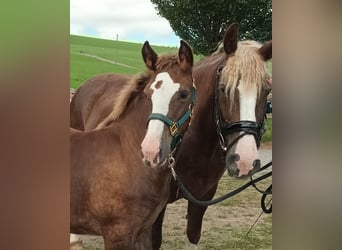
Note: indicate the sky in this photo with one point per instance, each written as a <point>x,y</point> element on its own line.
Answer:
<point>130,20</point>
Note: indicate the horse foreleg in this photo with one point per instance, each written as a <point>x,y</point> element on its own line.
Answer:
<point>144,240</point>
<point>157,231</point>
<point>195,217</point>
<point>118,237</point>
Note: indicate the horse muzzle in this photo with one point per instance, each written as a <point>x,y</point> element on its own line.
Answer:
<point>154,153</point>
<point>241,168</point>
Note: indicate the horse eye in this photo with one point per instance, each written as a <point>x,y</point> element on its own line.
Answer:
<point>183,94</point>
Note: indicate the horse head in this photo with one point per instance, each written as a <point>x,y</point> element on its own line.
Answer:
<point>172,95</point>
<point>242,87</point>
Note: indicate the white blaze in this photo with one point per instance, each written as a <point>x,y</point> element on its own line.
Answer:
<point>247,103</point>
<point>246,146</point>
<point>161,98</point>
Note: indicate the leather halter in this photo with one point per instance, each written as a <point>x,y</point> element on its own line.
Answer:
<point>223,128</point>
<point>174,125</point>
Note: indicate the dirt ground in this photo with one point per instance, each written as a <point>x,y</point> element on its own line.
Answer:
<point>220,221</point>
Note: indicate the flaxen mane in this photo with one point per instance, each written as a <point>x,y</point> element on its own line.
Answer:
<point>136,84</point>
<point>246,67</point>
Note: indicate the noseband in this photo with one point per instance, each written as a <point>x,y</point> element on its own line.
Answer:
<point>174,125</point>
<point>223,128</point>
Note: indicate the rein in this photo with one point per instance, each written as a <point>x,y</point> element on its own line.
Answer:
<point>252,182</point>
<point>174,125</point>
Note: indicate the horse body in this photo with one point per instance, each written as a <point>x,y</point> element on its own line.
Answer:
<point>114,193</point>
<point>241,87</point>
<point>204,162</point>
<point>109,195</point>
<point>102,89</point>
<point>199,167</point>
<point>203,156</point>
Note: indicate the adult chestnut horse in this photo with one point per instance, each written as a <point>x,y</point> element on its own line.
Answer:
<point>232,85</point>
<point>114,191</point>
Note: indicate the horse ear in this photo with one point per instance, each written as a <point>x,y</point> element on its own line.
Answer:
<point>266,51</point>
<point>230,39</point>
<point>185,55</point>
<point>150,57</point>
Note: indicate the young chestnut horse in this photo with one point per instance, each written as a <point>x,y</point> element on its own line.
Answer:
<point>113,191</point>
<point>232,85</point>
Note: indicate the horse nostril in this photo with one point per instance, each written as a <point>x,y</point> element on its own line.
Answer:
<point>256,164</point>
<point>156,160</point>
<point>232,159</point>
<point>147,163</point>
<point>235,157</point>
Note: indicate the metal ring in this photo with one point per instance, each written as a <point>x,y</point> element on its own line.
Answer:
<point>171,161</point>
<point>221,141</point>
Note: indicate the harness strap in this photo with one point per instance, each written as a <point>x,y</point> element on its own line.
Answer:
<point>248,127</point>
<point>264,207</point>
<point>161,117</point>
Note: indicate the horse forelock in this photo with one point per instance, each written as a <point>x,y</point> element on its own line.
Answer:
<point>165,62</point>
<point>246,67</point>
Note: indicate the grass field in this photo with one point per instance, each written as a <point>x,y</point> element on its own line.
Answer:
<point>267,137</point>
<point>83,66</point>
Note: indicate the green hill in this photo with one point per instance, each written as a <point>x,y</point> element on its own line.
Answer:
<point>92,56</point>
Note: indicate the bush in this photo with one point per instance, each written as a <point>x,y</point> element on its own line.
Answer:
<point>267,137</point>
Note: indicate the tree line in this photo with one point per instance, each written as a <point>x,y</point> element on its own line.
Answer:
<point>202,22</point>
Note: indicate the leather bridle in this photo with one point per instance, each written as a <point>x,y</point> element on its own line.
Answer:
<point>174,125</point>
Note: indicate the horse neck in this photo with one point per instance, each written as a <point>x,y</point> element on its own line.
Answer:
<point>205,77</point>
<point>133,121</point>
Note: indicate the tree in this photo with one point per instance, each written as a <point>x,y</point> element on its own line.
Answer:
<point>202,23</point>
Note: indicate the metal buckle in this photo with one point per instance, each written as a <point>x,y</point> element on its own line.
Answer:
<point>171,164</point>
<point>171,161</point>
<point>191,106</point>
<point>173,129</point>
<point>222,142</point>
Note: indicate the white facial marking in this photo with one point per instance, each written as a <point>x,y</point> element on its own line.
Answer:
<point>161,98</point>
<point>247,103</point>
<point>163,90</point>
<point>246,146</point>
